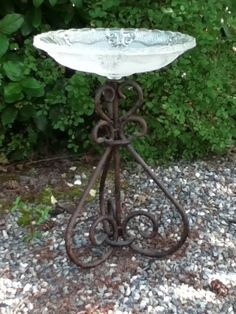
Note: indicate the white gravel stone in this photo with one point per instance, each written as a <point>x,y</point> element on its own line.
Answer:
<point>27,288</point>
<point>5,234</point>
<point>128,291</point>
<point>77,182</point>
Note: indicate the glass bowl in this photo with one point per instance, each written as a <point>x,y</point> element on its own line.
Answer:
<point>114,53</point>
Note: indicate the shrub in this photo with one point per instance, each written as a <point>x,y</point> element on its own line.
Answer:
<point>189,106</point>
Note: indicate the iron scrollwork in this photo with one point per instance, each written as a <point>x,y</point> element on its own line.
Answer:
<point>116,231</point>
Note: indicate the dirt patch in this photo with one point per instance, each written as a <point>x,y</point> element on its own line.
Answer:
<point>31,181</point>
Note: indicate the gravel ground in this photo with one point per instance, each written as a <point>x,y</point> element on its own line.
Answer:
<point>199,278</point>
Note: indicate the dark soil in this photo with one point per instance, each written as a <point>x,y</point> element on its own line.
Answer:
<point>30,179</point>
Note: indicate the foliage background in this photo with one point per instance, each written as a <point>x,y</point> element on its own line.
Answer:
<point>190,105</point>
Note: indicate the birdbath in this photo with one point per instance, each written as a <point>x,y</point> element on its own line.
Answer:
<point>115,54</point>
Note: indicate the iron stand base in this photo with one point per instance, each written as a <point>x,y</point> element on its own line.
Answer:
<point>115,229</point>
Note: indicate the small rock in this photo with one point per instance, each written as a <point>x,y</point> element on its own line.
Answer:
<point>92,192</point>
<point>5,235</point>
<point>23,265</point>
<point>2,224</point>
<point>27,288</point>
<point>88,306</point>
<point>83,175</point>
<point>160,309</point>
<point>219,288</point>
<point>143,304</point>
<point>77,182</point>
<point>136,296</point>
<point>128,291</point>
<point>122,289</point>
<point>73,168</point>
<point>30,306</point>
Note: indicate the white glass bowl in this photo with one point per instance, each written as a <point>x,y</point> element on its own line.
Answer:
<point>114,53</point>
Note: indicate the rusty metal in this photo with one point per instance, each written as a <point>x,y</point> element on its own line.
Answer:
<point>113,221</point>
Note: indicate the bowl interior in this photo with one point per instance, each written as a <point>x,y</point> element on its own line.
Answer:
<point>115,39</point>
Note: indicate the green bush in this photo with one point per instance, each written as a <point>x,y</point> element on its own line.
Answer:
<point>189,106</point>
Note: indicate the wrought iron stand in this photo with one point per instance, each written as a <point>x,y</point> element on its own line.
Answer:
<point>114,227</point>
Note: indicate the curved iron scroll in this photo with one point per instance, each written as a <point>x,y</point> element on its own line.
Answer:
<point>116,229</point>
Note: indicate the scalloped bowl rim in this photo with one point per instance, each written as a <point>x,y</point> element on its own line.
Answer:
<point>149,50</point>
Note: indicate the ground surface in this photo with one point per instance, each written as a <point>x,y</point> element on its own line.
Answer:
<point>199,278</point>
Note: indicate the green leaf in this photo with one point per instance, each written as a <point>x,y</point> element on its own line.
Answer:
<point>4,43</point>
<point>27,26</point>
<point>53,2</point>
<point>37,17</point>
<point>14,70</point>
<point>11,23</point>
<point>69,16</point>
<point>26,113</point>
<point>32,87</point>
<point>98,13</point>
<point>8,115</point>
<point>25,220</point>
<point>41,123</point>
<point>108,4</point>
<point>17,204</point>
<point>37,3</point>
<point>13,92</point>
